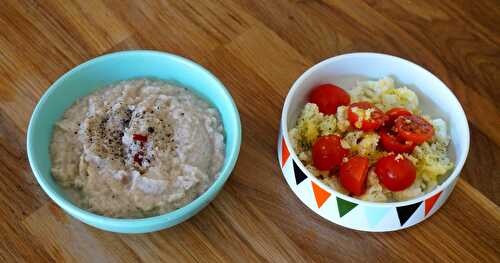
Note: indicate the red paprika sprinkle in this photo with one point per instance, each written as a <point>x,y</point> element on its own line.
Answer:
<point>140,137</point>
<point>138,157</point>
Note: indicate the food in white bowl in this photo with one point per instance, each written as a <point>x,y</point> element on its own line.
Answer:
<point>434,99</point>
<point>372,142</point>
<point>137,148</point>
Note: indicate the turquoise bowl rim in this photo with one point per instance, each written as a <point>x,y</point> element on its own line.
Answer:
<point>141,225</point>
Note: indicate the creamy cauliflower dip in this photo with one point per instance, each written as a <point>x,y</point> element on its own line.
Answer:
<point>137,148</point>
<point>372,142</point>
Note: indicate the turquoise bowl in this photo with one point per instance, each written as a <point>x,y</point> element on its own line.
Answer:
<point>104,70</point>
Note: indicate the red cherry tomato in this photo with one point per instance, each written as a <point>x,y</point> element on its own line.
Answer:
<point>392,143</point>
<point>375,120</point>
<point>353,174</point>
<point>395,172</point>
<point>327,153</point>
<point>329,97</point>
<point>393,113</point>
<point>413,128</point>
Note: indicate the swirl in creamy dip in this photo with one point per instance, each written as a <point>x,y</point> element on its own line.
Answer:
<point>137,148</point>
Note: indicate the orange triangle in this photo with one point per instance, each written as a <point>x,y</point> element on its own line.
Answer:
<point>429,203</point>
<point>284,152</point>
<point>320,194</point>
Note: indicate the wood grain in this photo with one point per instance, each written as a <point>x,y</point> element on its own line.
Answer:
<point>257,48</point>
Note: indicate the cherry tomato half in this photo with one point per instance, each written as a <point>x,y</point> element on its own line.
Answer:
<point>395,172</point>
<point>367,123</point>
<point>413,128</point>
<point>353,174</point>
<point>327,153</point>
<point>392,143</point>
<point>329,97</point>
<point>394,113</point>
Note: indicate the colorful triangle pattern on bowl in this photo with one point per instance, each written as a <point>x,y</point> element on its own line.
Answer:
<point>284,152</point>
<point>299,175</point>
<point>375,214</point>
<point>405,212</point>
<point>321,199</point>
<point>344,206</point>
<point>429,203</point>
<point>320,194</point>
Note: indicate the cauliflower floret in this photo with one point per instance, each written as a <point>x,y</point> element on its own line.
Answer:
<point>294,135</point>
<point>384,84</point>
<point>371,90</point>
<point>311,111</point>
<point>342,121</point>
<point>316,172</point>
<point>308,125</point>
<point>440,131</point>
<point>411,158</point>
<point>374,190</point>
<point>368,145</point>
<point>401,97</point>
<point>364,90</point>
<point>309,131</point>
<point>384,94</point>
<point>327,125</point>
<point>350,140</point>
<point>334,183</point>
<point>413,191</point>
<point>432,160</point>
<point>362,143</point>
<point>312,124</point>
<point>429,184</point>
<point>305,156</point>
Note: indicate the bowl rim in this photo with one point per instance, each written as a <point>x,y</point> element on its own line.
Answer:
<point>460,159</point>
<point>147,222</point>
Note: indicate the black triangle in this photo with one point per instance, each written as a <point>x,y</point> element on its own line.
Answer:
<point>405,212</point>
<point>299,175</point>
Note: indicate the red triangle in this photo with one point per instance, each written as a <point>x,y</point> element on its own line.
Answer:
<point>284,152</point>
<point>429,203</point>
<point>320,194</point>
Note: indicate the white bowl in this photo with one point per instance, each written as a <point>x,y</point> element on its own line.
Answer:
<point>435,99</point>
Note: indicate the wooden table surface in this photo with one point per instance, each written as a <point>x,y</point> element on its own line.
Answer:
<point>257,49</point>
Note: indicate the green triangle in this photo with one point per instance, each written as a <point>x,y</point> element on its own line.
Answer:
<point>345,206</point>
